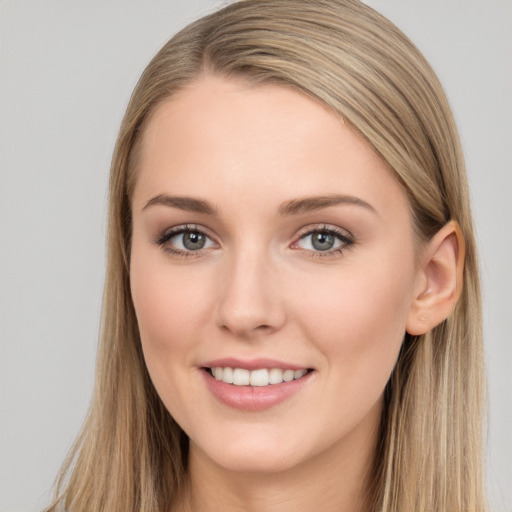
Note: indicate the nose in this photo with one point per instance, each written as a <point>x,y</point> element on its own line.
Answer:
<point>250,302</point>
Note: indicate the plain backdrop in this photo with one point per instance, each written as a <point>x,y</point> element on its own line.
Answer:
<point>67,70</point>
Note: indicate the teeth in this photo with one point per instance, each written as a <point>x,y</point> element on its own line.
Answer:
<point>241,377</point>
<point>258,378</point>
<point>288,375</point>
<point>227,375</point>
<point>275,376</point>
<point>299,373</point>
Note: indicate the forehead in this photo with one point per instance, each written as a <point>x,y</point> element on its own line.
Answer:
<point>220,138</point>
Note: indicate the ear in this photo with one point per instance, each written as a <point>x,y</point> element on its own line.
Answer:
<point>439,280</point>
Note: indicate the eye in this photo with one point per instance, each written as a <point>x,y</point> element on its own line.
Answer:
<point>324,240</point>
<point>184,240</point>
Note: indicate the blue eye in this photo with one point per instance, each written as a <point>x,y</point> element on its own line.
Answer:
<point>327,240</point>
<point>190,241</point>
<point>185,239</point>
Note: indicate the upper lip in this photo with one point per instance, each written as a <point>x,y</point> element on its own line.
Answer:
<point>252,364</point>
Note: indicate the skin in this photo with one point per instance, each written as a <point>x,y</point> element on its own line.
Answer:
<point>260,289</point>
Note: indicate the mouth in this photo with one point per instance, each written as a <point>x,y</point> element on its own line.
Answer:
<point>260,377</point>
<point>256,384</point>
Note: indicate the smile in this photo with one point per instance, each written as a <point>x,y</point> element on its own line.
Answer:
<point>254,385</point>
<point>258,378</point>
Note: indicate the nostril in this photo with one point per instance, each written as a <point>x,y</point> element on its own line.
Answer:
<point>247,330</point>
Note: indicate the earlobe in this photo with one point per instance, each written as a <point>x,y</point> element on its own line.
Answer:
<point>439,280</point>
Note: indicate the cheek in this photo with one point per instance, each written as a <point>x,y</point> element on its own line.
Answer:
<point>358,319</point>
<point>167,300</point>
<point>168,307</point>
<point>158,309</point>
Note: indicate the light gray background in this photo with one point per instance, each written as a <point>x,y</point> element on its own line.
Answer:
<point>67,69</point>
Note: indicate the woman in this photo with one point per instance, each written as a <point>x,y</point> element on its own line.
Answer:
<point>292,311</point>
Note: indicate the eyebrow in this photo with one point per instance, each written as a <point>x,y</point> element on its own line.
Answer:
<point>292,207</point>
<point>189,204</point>
<point>309,204</point>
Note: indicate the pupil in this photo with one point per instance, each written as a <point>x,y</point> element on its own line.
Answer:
<point>194,241</point>
<point>323,241</point>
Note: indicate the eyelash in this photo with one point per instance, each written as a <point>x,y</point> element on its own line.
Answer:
<point>345,239</point>
<point>188,228</point>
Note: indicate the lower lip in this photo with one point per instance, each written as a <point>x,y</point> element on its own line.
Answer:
<point>253,398</point>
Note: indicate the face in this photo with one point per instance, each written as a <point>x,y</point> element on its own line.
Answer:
<point>272,273</point>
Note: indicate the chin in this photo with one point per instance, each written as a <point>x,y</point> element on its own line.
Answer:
<point>245,454</point>
<point>256,462</point>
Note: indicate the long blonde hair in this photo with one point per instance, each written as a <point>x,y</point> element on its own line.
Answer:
<point>131,455</point>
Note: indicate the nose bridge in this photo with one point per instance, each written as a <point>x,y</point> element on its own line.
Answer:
<point>250,298</point>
